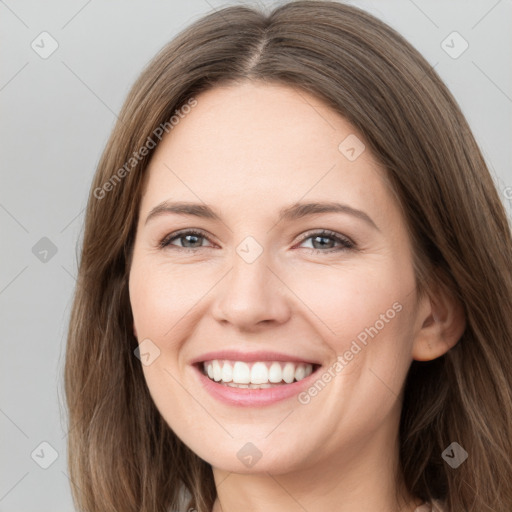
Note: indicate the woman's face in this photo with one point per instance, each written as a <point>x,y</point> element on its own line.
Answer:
<point>257,281</point>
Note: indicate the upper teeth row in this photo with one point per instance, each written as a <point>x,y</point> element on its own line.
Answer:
<point>240,372</point>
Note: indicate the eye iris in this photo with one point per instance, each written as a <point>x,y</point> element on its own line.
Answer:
<point>187,237</point>
<point>323,238</point>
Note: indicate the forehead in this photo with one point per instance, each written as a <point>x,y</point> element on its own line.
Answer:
<point>255,141</point>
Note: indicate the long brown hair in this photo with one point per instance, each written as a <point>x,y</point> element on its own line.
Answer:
<point>122,455</point>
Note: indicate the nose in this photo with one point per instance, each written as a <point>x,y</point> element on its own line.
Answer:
<point>251,294</point>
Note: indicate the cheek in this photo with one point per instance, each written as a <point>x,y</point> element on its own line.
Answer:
<point>365,317</point>
<point>161,297</point>
<point>162,305</point>
<point>348,300</point>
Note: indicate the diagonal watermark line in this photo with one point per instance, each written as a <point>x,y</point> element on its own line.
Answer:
<point>14,76</point>
<point>14,423</point>
<point>418,82</point>
<point>224,479</point>
<point>383,382</point>
<point>75,15</point>
<point>90,90</point>
<point>68,431</point>
<point>213,8</point>
<point>13,13</point>
<point>492,81</point>
<point>312,106</point>
<point>280,423</point>
<point>424,13</point>
<point>261,6</point>
<point>68,272</point>
<point>14,218</point>
<point>197,302</point>
<point>12,280</point>
<point>286,490</point>
<point>14,485</point>
<point>470,486</point>
<point>194,398</point>
<point>69,478</point>
<point>307,192</point>
<point>165,165</point>
<point>72,220</point>
<point>301,300</point>
<point>484,16</point>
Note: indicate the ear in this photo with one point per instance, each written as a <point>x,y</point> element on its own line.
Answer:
<point>442,323</point>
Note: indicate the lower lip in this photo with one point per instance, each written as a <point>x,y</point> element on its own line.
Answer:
<point>246,397</point>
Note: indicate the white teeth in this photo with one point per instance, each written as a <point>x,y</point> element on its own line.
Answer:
<point>241,373</point>
<point>217,372</point>
<point>300,373</point>
<point>289,373</point>
<point>227,373</point>
<point>259,373</point>
<point>256,375</point>
<point>275,374</point>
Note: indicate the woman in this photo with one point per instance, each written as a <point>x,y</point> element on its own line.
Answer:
<point>220,355</point>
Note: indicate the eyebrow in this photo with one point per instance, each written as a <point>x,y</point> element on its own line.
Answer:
<point>294,212</point>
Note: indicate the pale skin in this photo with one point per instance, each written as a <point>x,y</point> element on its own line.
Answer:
<point>247,151</point>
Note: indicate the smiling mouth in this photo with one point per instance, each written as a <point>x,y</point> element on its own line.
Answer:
<point>257,374</point>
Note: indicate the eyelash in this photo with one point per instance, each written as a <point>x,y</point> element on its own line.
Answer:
<point>347,244</point>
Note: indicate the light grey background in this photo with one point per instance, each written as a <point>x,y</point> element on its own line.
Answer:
<point>56,115</point>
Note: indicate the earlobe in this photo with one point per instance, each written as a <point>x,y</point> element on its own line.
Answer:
<point>442,326</point>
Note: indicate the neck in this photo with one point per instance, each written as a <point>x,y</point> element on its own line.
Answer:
<point>364,477</point>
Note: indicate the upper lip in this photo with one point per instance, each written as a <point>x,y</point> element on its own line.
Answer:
<point>260,355</point>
